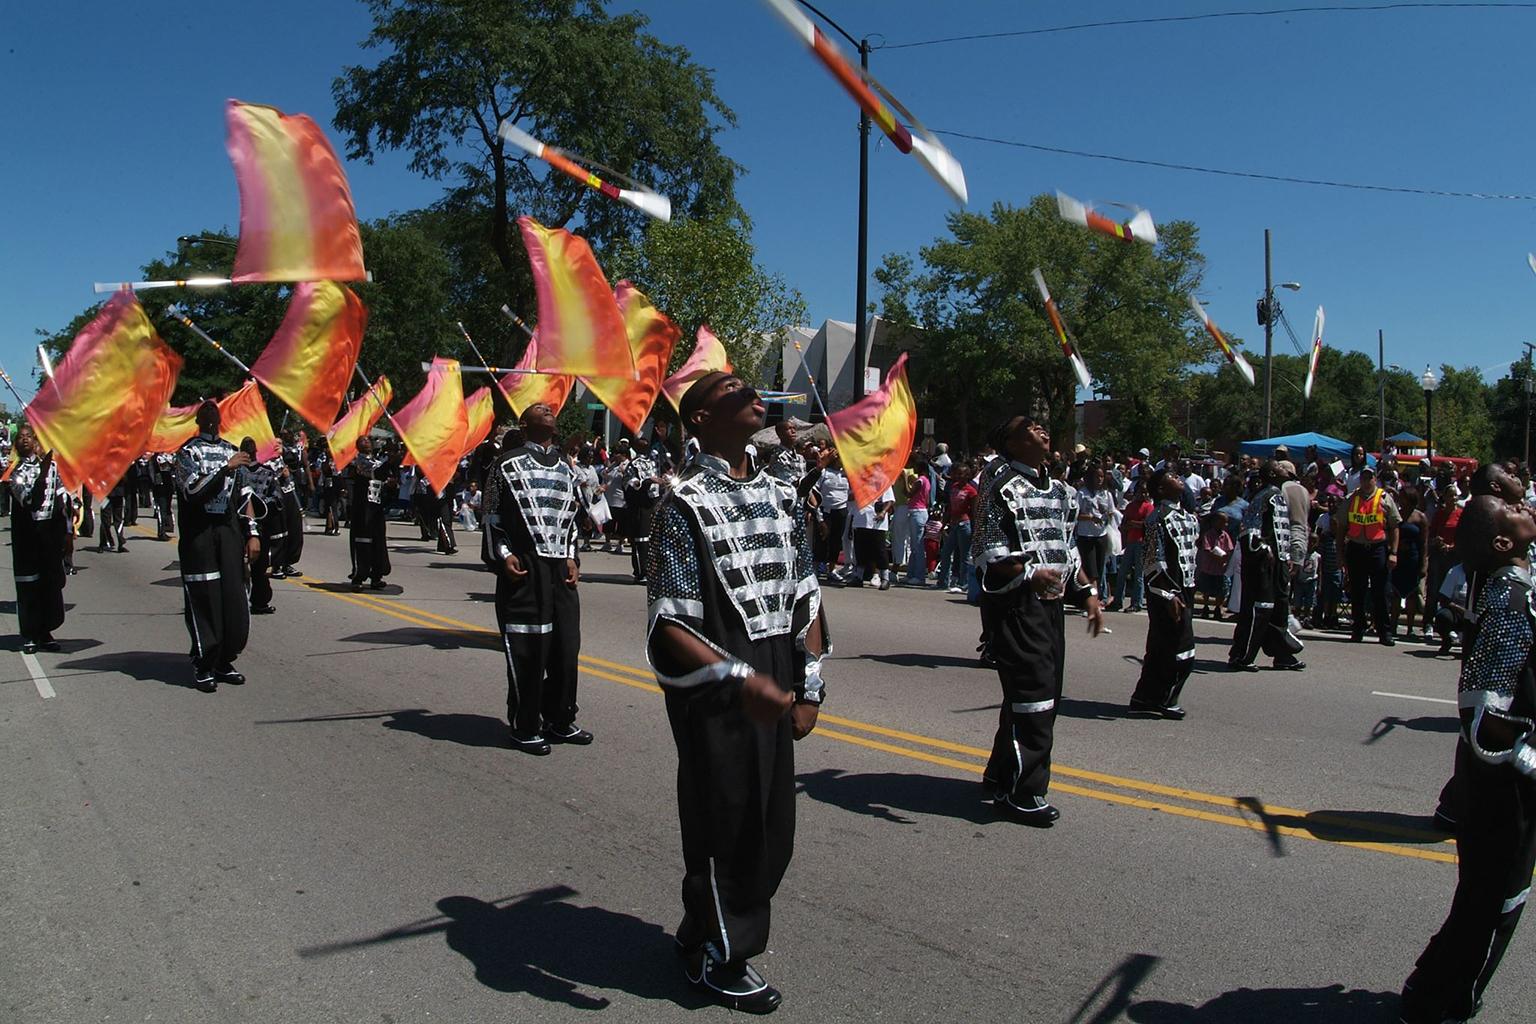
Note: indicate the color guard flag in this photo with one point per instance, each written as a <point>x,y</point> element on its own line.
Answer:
<point>433,424</point>
<point>580,326</point>
<point>100,406</point>
<point>359,419</point>
<point>525,389</point>
<point>176,426</point>
<point>480,416</point>
<point>874,435</point>
<point>297,222</point>
<point>244,414</point>
<point>308,363</point>
<point>652,336</point>
<point>708,357</point>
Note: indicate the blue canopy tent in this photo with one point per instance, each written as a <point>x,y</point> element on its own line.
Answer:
<point>1404,438</point>
<point>1328,448</point>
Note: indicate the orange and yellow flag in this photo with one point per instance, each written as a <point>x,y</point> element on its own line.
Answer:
<point>309,361</point>
<point>175,427</point>
<point>98,410</point>
<point>244,414</point>
<point>525,389</point>
<point>480,414</point>
<point>358,420</point>
<point>581,331</point>
<point>708,357</point>
<point>874,435</point>
<point>433,424</point>
<point>652,337</point>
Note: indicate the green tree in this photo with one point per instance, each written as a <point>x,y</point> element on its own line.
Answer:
<point>1507,409</point>
<point>702,271</point>
<point>1462,424</point>
<point>988,347</point>
<point>566,71</point>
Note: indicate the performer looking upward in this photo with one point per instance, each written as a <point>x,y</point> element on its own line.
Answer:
<point>366,523</point>
<point>218,533</point>
<point>1264,620</point>
<point>530,541</point>
<point>38,533</point>
<point>736,637</point>
<point>1168,568</point>
<point>1025,551</point>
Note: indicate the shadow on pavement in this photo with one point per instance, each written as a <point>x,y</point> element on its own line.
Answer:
<point>1345,826</point>
<point>345,587</point>
<point>145,666</point>
<point>1112,996</point>
<point>475,566</point>
<point>1426,723</point>
<point>452,727</point>
<point>923,660</point>
<point>425,636</point>
<point>540,944</point>
<point>1331,1004</point>
<point>621,578</point>
<point>882,794</point>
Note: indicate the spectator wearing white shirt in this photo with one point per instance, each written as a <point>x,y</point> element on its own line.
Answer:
<point>869,548</point>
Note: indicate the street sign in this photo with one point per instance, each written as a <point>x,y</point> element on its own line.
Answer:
<point>871,379</point>
<point>596,405</point>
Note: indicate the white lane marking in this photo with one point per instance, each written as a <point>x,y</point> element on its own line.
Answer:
<point>1410,696</point>
<point>39,677</point>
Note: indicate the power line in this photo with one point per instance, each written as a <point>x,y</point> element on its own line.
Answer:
<point>1275,12</point>
<point>1229,173</point>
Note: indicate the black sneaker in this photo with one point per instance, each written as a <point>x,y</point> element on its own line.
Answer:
<point>28,647</point>
<point>293,570</point>
<point>536,745</point>
<point>227,674</point>
<point>205,681</point>
<point>277,574</point>
<point>1147,709</point>
<point>1034,812</point>
<point>570,734</point>
<point>1443,821</point>
<point>357,583</point>
<point>264,609</point>
<point>735,986</point>
<point>376,585</point>
<point>1293,664</point>
<point>1389,641</point>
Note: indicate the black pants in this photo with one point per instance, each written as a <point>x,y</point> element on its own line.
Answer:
<point>540,621</point>
<point>736,809</point>
<point>1170,651</point>
<point>830,546</point>
<point>1367,565</point>
<point>1027,639</point>
<point>1094,552</point>
<point>1496,852</point>
<point>162,494</point>
<point>216,606</point>
<point>261,583</point>
<point>37,556</point>
<point>446,541</point>
<point>111,523</point>
<point>641,513</point>
<point>870,552</point>
<point>292,549</point>
<point>131,504</point>
<point>424,508</point>
<point>370,553</point>
<point>1264,623</point>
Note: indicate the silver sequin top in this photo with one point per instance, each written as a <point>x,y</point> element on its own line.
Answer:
<point>1028,517</point>
<point>198,464</point>
<point>24,480</point>
<point>1168,557</point>
<point>542,493</point>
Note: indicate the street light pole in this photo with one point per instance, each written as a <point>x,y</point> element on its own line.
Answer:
<point>1269,335</point>
<point>861,292</point>
<point>1381,387</point>
<point>1529,386</point>
<point>1429,383</point>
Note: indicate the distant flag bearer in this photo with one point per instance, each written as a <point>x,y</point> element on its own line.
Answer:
<point>38,508</point>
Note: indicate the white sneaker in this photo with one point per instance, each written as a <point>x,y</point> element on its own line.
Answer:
<point>956,590</point>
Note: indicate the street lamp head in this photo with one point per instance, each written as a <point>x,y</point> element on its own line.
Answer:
<point>1294,286</point>
<point>1429,381</point>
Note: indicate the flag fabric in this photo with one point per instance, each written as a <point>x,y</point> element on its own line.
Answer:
<point>309,361</point>
<point>874,435</point>
<point>652,337</point>
<point>175,427</point>
<point>581,328</point>
<point>480,412</point>
<point>100,406</point>
<point>244,414</point>
<point>359,418</point>
<point>525,389</point>
<point>297,222</point>
<point>708,357</point>
<point>433,424</point>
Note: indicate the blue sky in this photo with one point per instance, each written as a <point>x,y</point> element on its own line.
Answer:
<point>115,145</point>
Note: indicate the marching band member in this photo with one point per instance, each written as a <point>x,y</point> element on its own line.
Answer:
<point>38,509</point>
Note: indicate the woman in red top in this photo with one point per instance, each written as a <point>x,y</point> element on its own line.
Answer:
<point>955,552</point>
<point>1132,521</point>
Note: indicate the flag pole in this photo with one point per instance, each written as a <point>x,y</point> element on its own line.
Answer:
<point>507,312</point>
<point>42,357</point>
<point>187,321</point>
<point>11,385</point>
<point>476,350</point>
<point>807,367</point>
<point>368,390</point>
<point>144,286</point>
<point>500,369</point>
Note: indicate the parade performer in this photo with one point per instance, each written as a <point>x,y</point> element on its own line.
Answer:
<point>736,637</point>
<point>162,484</point>
<point>1025,550</point>
<point>292,488</point>
<point>1263,622</point>
<point>530,506</point>
<point>365,522</point>
<point>261,483</point>
<point>642,491</point>
<point>329,490</point>
<point>1495,769</point>
<point>38,534</point>
<point>1168,567</point>
<point>218,535</point>
<point>112,512</point>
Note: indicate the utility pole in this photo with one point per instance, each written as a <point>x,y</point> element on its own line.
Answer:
<point>861,291</point>
<point>1269,336</point>
<point>1526,383</point>
<point>1381,387</point>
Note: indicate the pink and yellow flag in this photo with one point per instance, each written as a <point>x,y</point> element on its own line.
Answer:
<point>297,222</point>
<point>708,357</point>
<point>652,337</point>
<point>175,427</point>
<point>358,420</point>
<point>480,412</point>
<point>433,424</point>
<point>244,414</point>
<point>100,406</point>
<point>874,435</point>
<point>309,361</point>
<point>525,389</point>
<point>580,326</point>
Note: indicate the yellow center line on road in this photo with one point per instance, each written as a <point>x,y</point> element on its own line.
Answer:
<point>1264,822</point>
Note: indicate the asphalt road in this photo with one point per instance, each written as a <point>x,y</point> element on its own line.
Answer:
<point>346,839</point>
